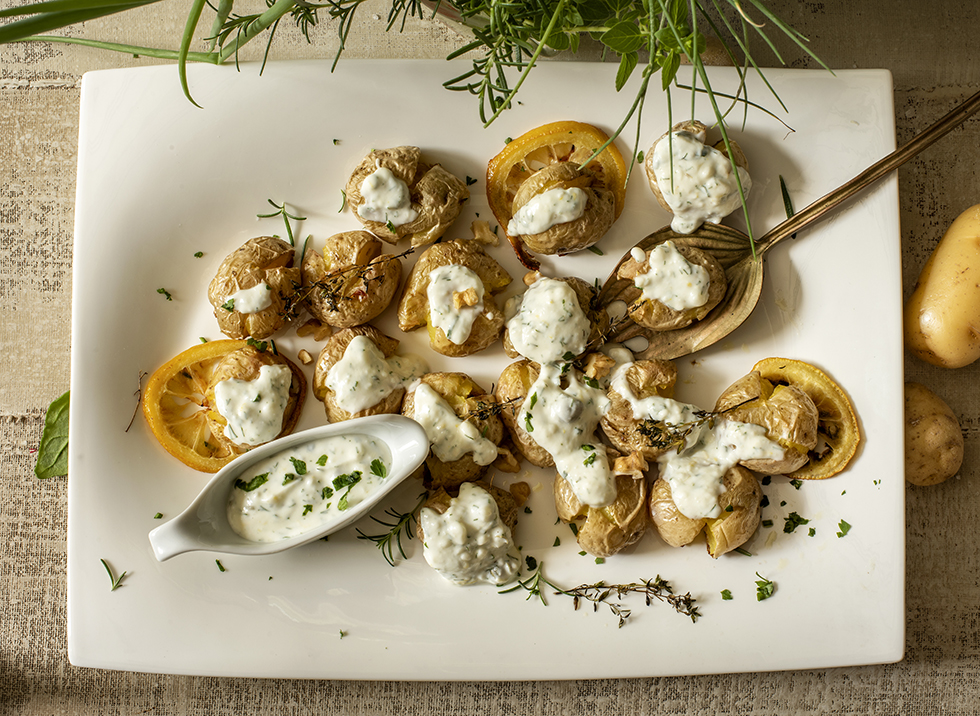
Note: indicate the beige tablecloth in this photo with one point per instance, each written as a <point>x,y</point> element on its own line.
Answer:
<point>932,50</point>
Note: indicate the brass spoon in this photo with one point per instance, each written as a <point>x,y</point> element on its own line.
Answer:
<point>733,250</point>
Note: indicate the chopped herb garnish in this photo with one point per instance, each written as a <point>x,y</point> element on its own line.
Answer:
<point>844,528</point>
<point>322,460</point>
<point>527,423</point>
<point>765,501</point>
<point>348,480</point>
<point>203,339</point>
<point>288,477</point>
<point>568,356</point>
<point>378,468</point>
<point>158,515</point>
<point>307,509</point>
<point>336,142</point>
<point>534,399</point>
<point>470,181</point>
<point>574,528</point>
<point>764,588</point>
<point>767,523</point>
<point>589,460</point>
<point>726,595</point>
<point>527,510</point>
<point>596,250</point>
<point>600,560</point>
<point>325,493</point>
<point>221,567</point>
<point>793,521</point>
<point>557,542</point>
<point>116,581</point>
<point>639,157</point>
<point>298,465</point>
<point>342,633</point>
<point>531,562</point>
<point>390,226</point>
<point>198,254</point>
<point>729,509</point>
<point>252,484</point>
<point>796,483</point>
<point>743,551</point>
<point>164,292</point>
<point>508,140</point>
<point>260,346</point>
<point>812,532</point>
<point>591,382</point>
<point>343,201</point>
<point>767,479</point>
<point>588,447</point>
<point>229,305</point>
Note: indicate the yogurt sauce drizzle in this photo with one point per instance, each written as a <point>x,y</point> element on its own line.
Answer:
<point>555,206</point>
<point>251,300</point>
<point>306,486</point>
<point>695,473</point>
<point>704,187</point>
<point>563,422</point>
<point>670,278</point>
<point>254,409</point>
<point>364,377</point>
<point>386,199</point>
<point>449,436</point>
<point>549,323</point>
<point>468,543</point>
<point>444,283</point>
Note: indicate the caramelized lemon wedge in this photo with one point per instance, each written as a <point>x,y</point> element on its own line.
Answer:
<point>837,425</point>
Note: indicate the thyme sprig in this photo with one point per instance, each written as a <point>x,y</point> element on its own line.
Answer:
<point>600,593</point>
<point>666,436</point>
<point>404,523</point>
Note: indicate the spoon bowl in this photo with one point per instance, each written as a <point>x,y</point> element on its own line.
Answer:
<point>742,260</point>
<point>204,524</point>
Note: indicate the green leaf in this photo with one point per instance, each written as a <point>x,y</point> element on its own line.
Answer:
<point>46,21</point>
<point>627,63</point>
<point>52,453</point>
<point>668,68</point>
<point>65,6</point>
<point>623,37</point>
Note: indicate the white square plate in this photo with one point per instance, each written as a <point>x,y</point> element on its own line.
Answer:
<point>159,179</point>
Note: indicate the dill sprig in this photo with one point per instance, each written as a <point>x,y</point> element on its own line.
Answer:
<point>404,523</point>
<point>600,593</point>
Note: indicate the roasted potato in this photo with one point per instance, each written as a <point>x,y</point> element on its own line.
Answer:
<point>607,530</point>
<point>334,350</point>
<point>569,236</point>
<point>785,411</point>
<point>433,194</point>
<point>566,336</point>
<point>711,210</point>
<point>942,317</point>
<point>265,260</point>
<point>414,309</point>
<point>933,440</point>
<point>655,314</point>
<point>470,403</point>
<point>245,364</point>
<point>511,391</point>
<point>646,378</point>
<point>741,511</point>
<point>507,504</point>
<point>352,282</point>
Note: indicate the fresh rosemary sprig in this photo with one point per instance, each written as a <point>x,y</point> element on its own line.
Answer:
<point>116,581</point>
<point>286,216</point>
<point>601,593</point>
<point>404,523</point>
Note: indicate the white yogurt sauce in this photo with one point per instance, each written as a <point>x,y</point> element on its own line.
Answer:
<point>254,409</point>
<point>468,543</point>
<point>695,473</point>
<point>306,486</point>
<point>364,377</point>
<point>250,300</point>
<point>670,278</point>
<point>386,199</point>
<point>444,283</point>
<point>703,187</point>
<point>449,436</point>
<point>563,422</point>
<point>550,323</point>
<point>555,206</point>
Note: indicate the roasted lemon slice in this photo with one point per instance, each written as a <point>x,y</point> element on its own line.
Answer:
<point>837,425</point>
<point>177,408</point>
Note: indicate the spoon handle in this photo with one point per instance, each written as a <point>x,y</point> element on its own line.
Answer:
<point>870,175</point>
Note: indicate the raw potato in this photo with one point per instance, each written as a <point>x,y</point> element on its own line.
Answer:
<point>933,441</point>
<point>264,259</point>
<point>352,282</point>
<point>942,318</point>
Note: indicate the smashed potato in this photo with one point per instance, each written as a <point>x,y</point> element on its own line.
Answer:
<point>645,378</point>
<point>254,289</point>
<point>412,198</point>
<point>421,299</point>
<point>352,282</point>
<point>610,529</point>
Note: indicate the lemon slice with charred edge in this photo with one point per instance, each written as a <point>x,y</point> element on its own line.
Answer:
<point>176,407</point>
<point>837,423</point>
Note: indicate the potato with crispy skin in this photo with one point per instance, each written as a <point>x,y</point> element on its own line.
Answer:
<point>421,298</point>
<point>645,378</point>
<point>655,314</point>
<point>352,282</point>
<point>245,364</point>
<point>263,261</point>
<point>470,403</point>
<point>333,352</point>
<point>433,194</point>
<point>785,411</point>
<point>511,391</point>
<point>741,511</point>
<point>610,529</point>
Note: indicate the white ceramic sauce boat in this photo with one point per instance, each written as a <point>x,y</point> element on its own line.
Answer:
<point>204,524</point>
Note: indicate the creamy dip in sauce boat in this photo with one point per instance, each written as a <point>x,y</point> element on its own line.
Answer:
<point>394,441</point>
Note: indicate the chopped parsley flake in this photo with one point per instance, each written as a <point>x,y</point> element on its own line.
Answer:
<point>322,460</point>
<point>531,562</point>
<point>557,542</point>
<point>796,483</point>
<point>307,509</point>
<point>159,515</point>
<point>764,588</point>
<point>252,484</point>
<point>793,521</point>
<point>844,528</point>
<point>298,465</point>
<point>726,595</point>
<point>229,305</point>
<point>164,292</point>
<point>221,567</point>
<point>198,254</point>
<point>378,468</point>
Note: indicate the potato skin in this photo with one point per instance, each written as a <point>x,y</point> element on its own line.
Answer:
<point>645,378</point>
<point>413,308</point>
<point>515,381</point>
<point>933,440</point>
<point>610,529</point>
<point>264,259</point>
<point>942,317</point>
<point>345,295</point>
